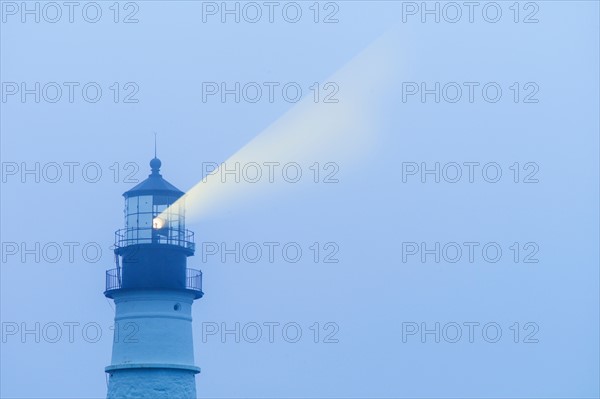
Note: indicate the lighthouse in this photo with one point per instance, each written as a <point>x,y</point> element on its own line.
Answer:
<point>153,291</point>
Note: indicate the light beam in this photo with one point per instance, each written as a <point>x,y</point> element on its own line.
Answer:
<point>345,131</point>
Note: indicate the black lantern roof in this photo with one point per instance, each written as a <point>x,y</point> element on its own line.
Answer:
<point>154,184</point>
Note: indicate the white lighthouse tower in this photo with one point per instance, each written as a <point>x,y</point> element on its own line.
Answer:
<point>153,291</point>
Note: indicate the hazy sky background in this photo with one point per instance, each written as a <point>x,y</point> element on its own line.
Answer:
<point>368,214</point>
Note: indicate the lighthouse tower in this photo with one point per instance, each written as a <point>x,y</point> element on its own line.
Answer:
<point>153,291</point>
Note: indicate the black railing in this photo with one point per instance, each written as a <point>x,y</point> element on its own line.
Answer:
<point>147,235</point>
<point>193,279</point>
<point>113,279</point>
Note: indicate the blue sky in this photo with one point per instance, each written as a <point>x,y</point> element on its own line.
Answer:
<point>370,296</point>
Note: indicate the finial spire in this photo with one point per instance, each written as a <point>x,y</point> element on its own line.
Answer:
<point>154,144</point>
<point>155,163</point>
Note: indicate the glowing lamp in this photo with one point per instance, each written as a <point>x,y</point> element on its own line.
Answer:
<point>158,223</point>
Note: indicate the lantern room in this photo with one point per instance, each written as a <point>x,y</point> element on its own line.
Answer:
<point>154,214</point>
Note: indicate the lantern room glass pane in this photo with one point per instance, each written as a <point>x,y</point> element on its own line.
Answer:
<point>131,221</point>
<point>131,205</point>
<point>145,204</point>
<point>145,220</point>
<point>158,209</point>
